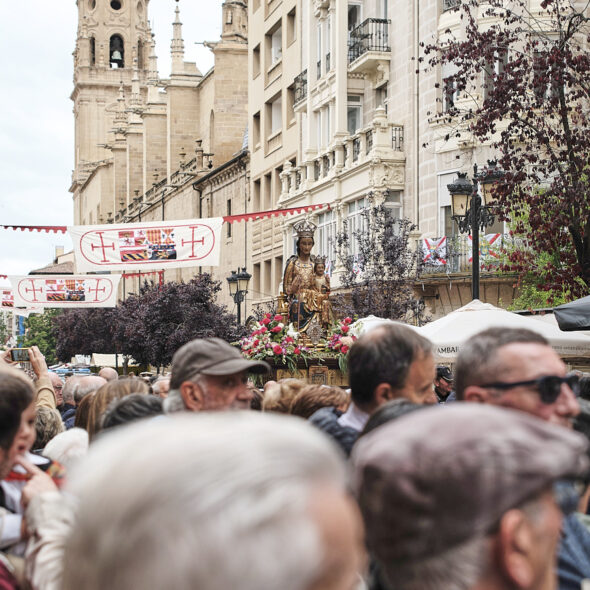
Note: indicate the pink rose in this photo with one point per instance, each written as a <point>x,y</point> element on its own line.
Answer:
<point>345,329</point>
<point>347,321</point>
<point>297,350</point>
<point>266,321</point>
<point>278,317</point>
<point>276,329</point>
<point>263,330</point>
<point>288,340</point>
<point>344,349</point>
<point>277,349</point>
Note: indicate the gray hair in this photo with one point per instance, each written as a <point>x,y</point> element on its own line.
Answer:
<point>477,362</point>
<point>48,423</point>
<point>156,384</point>
<point>174,402</point>
<point>243,522</point>
<point>69,390</point>
<point>459,568</point>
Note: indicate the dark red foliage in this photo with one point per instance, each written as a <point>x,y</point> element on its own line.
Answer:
<point>151,325</point>
<point>534,110</point>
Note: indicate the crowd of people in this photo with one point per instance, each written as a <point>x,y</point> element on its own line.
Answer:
<point>416,478</point>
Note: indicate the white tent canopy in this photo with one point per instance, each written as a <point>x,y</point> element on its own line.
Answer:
<point>448,334</point>
<point>108,360</point>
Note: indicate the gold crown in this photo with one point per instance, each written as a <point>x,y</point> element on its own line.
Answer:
<point>320,260</point>
<point>305,229</point>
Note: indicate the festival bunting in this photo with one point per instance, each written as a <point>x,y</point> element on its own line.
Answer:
<point>434,251</point>
<point>145,246</point>
<point>65,290</point>
<point>228,218</point>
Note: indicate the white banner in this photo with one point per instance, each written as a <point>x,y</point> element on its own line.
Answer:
<point>147,246</point>
<point>65,290</point>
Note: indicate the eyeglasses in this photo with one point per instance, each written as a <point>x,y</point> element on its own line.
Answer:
<point>549,386</point>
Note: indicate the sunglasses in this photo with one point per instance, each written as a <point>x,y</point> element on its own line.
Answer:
<point>549,387</point>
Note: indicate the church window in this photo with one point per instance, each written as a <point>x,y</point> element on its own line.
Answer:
<point>140,54</point>
<point>115,4</point>
<point>116,52</point>
<point>92,51</point>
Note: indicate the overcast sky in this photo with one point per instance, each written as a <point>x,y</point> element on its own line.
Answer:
<point>37,38</point>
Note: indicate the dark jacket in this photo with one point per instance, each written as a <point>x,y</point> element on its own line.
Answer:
<point>326,420</point>
<point>68,415</point>
<point>573,564</point>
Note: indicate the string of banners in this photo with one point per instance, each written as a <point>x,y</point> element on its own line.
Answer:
<point>151,247</point>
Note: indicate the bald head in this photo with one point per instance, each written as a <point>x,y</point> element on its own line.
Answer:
<point>108,373</point>
<point>86,385</point>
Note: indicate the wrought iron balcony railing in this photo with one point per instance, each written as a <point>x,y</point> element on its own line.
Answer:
<point>371,35</point>
<point>397,138</point>
<point>300,84</point>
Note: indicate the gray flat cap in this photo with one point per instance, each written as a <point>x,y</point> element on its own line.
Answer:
<point>435,478</point>
<point>210,356</point>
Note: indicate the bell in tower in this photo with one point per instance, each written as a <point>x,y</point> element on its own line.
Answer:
<point>116,52</point>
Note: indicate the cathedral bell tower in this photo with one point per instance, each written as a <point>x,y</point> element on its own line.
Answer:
<point>112,48</point>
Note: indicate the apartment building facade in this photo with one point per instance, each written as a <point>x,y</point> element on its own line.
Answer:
<point>339,111</point>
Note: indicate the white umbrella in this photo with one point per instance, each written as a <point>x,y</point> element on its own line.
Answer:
<point>449,333</point>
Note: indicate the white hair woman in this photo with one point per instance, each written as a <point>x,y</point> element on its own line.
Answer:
<point>233,500</point>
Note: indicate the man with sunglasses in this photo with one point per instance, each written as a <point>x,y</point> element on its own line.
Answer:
<point>518,369</point>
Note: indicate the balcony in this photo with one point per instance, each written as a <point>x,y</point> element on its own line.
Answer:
<point>368,46</point>
<point>380,142</point>
<point>454,255</point>
<point>300,84</point>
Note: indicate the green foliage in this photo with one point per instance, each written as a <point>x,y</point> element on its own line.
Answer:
<point>531,297</point>
<point>40,332</point>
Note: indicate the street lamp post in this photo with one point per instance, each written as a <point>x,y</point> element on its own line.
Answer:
<point>238,287</point>
<point>470,213</point>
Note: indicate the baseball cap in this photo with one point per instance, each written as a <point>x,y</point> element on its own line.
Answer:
<point>421,495</point>
<point>210,356</point>
<point>443,372</point>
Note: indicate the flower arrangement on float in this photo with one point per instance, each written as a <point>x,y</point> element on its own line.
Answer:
<point>340,340</point>
<point>271,338</point>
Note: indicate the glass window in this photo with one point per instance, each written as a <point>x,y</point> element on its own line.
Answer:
<point>276,115</point>
<point>354,113</point>
<point>276,46</point>
<point>354,16</point>
<point>356,222</point>
<point>325,234</point>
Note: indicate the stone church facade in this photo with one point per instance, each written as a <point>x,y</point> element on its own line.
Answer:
<point>149,149</point>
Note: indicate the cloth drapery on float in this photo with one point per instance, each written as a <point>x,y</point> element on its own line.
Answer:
<point>67,291</point>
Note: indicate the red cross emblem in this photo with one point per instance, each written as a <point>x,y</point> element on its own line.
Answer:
<point>192,242</point>
<point>103,246</point>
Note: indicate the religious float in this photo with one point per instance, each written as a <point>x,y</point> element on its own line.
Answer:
<point>303,338</point>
